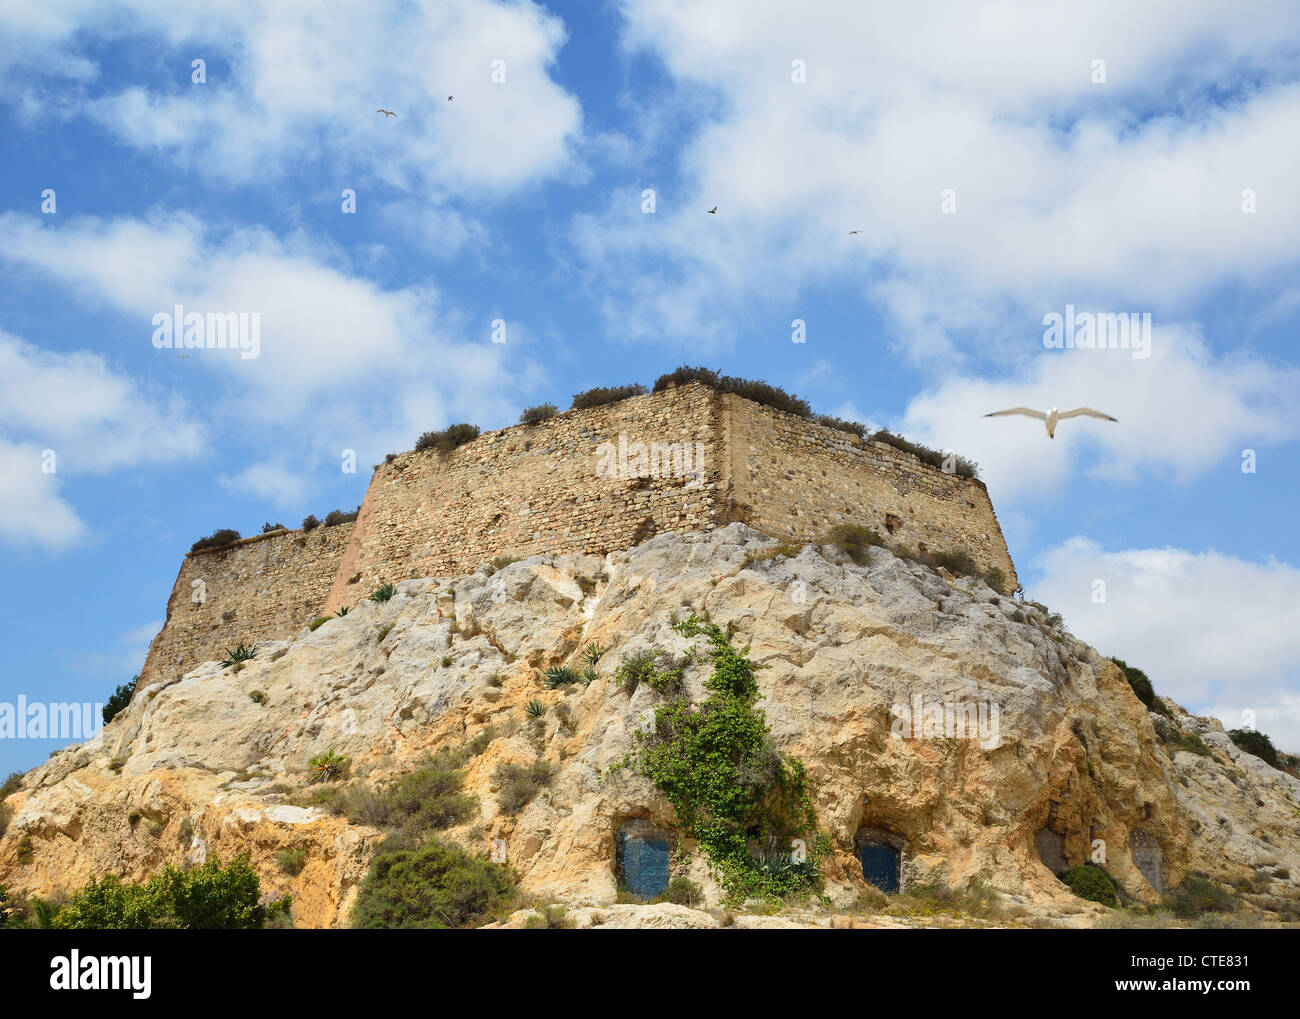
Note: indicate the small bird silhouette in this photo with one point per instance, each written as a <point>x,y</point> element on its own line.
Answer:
<point>450,98</point>
<point>386,113</point>
<point>185,357</point>
<point>1052,416</point>
<point>713,211</point>
<point>854,233</point>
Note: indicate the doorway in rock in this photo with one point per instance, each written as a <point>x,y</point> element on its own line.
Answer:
<point>880,865</point>
<point>643,856</point>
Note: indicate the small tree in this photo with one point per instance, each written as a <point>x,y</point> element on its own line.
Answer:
<point>120,699</point>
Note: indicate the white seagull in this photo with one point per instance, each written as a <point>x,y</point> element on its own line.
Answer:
<point>1053,416</point>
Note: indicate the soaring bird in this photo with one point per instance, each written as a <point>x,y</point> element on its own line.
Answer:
<point>386,113</point>
<point>450,98</point>
<point>1053,416</point>
<point>854,233</point>
<point>713,211</point>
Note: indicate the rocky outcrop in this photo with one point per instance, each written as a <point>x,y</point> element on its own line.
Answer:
<point>1068,761</point>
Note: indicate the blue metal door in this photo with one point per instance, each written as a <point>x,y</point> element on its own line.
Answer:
<point>645,865</point>
<point>880,865</point>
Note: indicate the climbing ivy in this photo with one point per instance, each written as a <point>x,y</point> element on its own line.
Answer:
<point>734,792</point>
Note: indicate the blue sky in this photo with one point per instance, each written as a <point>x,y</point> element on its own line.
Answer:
<point>1119,188</point>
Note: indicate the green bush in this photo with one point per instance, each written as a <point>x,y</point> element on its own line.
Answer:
<point>207,898</point>
<point>383,593</point>
<point>683,892</point>
<point>601,395</point>
<point>447,439</point>
<point>653,667</point>
<point>1196,896</point>
<point>291,861</point>
<point>335,517</point>
<point>25,851</point>
<point>1193,743</point>
<point>1091,882</point>
<point>935,458</point>
<point>517,784</point>
<point>318,622</point>
<point>6,815</point>
<point>1254,742</point>
<point>548,918</point>
<point>12,784</point>
<point>758,391</point>
<point>120,699</point>
<point>1139,681</point>
<point>729,785</point>
<point>536,415</point>
<point>856,427</point>
<point>431,797</point>
<point>216,539</point>
<point>434,886</point>
<point>854,540</point>
<point>268,528</point>
<point>310,522</point>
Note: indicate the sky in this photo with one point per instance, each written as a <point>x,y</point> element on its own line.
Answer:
<point>550,167</point>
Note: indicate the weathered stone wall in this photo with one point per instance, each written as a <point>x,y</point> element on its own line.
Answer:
<point>549,487</point>
<point>595,481</point>
<point>795,478</point>
<point>261,588</point>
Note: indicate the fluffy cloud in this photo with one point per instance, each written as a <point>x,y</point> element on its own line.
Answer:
<point>344,362</point>
<point>91,418</point>
<point>291,82</point>
<point>1216,633</point>
<point>1065,189</point>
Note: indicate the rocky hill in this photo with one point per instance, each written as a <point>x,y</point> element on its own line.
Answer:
<point>1070,763</point>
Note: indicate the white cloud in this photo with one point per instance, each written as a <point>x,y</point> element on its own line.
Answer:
<point>1182,412</point>
<point>1216,633</point>
<point>1131,190</point>
<point>65,415</point>
<point>344,362</point>
<point>288,83</point>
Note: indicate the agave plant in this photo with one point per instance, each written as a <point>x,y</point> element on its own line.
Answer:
<point>535,709</point>
<point>589,675</point>
<point>559,675</point>
<point>383,593</point>
<point>343,611</point>
<point>328,766</point>
<point>238,655</point>
<point>591,654</point>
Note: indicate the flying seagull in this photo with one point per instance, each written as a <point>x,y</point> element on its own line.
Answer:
<point>386,113</point>
<point>713,211</point>
<point>450,98</point>
<point>1053,416</point>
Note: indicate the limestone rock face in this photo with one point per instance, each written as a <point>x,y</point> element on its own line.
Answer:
<point>868,664</point>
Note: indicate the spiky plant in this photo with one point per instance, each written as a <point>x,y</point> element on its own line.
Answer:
<point>343,611</point>
<point>383,593</point>
<point>589,675</point>
<point>591,654</point>
<point>535,709</point>
<point>559,675</point>
<point>328,766</point>
<point>238,655</point>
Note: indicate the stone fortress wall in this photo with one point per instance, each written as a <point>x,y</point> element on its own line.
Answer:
<point>265,587</point>
<point>594,481</point>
